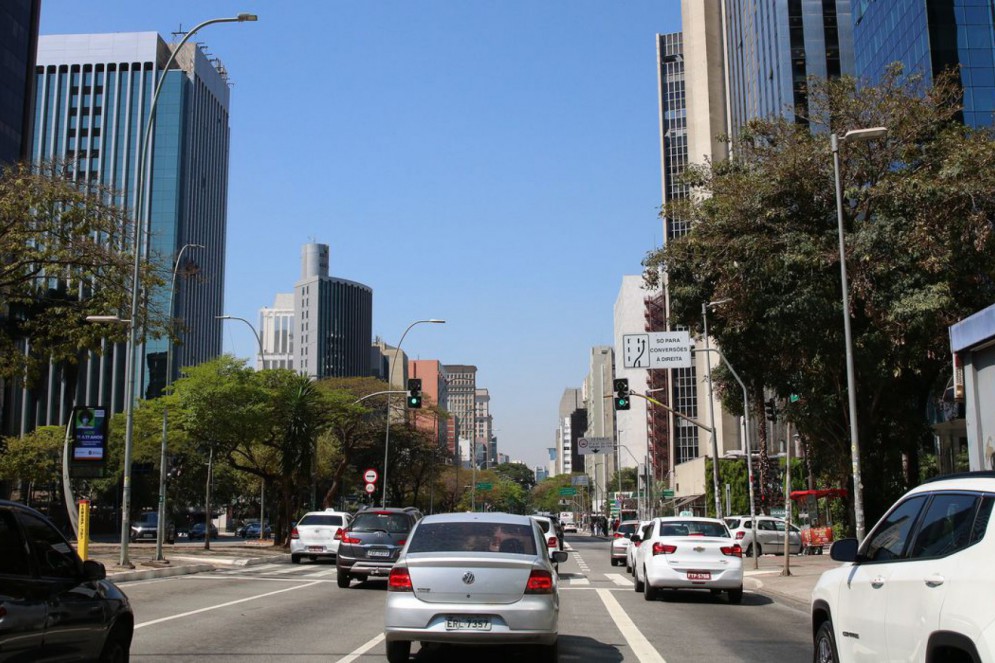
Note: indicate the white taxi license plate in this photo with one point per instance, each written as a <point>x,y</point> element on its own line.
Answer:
<point>378,553</point>
<point>468,623</point>
<point>699,575</point>
<point>316,548</point>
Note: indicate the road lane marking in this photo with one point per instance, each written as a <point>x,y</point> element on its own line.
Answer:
<point>362,650</point>
<point>579,581</point>
<point>247,578</point>
<point>637,642</point>
<point>320,574</point>
<point>619,579</point>
<point>223,605</point>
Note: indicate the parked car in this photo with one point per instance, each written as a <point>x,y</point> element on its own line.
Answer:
<point>318,534</point>
<point>145,528</point>
<point>620,541</point>
<point>634,540</point>
<point>54,606</point>
<point>251,531</point>
<point>372,542</point>
<point>917,588</point>
<point>770,535</point>
<point>197,531</point>
<point>689,553</point>
<point>503,591</point>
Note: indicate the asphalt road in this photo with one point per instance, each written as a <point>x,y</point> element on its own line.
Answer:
<point>297,613</point>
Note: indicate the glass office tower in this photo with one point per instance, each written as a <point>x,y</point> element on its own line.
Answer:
<point>929,36</point>
<point>93,94</point>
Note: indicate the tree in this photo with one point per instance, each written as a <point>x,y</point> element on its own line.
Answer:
<point>918,219</point>
<point>519,473</point>
<point>64,254</point>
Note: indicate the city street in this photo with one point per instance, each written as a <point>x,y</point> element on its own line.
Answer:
<point>298,612</point>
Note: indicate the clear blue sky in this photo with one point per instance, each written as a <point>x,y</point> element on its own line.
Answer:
<point>495,163</point>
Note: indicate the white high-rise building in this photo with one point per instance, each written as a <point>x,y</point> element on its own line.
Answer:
<point>276,327</point>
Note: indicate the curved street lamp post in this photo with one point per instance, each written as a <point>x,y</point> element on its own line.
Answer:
<point>139,233</point>
<point>390,383</point>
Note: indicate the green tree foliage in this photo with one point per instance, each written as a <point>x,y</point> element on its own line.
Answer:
<point>36,457</point>
<point>519,473</point>
<point>918,215</point>
<point>64,254</point>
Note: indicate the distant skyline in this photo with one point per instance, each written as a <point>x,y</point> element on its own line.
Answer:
<point>496,165</point>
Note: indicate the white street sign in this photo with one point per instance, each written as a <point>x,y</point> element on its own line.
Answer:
<point>595,445</point>
<point>657,350</point>
<point>371,488</point>
<point>370,476</point>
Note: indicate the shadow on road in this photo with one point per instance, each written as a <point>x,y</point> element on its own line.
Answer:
<point>572,648</point>
<point>750,599</point>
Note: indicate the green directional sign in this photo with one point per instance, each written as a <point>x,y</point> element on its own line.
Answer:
<point>668,493</point>
<point>484,486</point>
<point>568,491</point>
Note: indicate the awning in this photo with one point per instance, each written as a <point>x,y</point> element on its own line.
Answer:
<point>681,501</point>
<point>840,493</point>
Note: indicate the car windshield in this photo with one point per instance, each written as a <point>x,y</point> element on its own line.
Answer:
<point>381,521</point>
<point>733,523</point>
<point>543,523</point>
<point>322,519</point>
<point>693,528</point>
<point>512,539</point>
<point>627,528</point>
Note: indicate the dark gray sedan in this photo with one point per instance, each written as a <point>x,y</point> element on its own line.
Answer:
<point>473,578</point>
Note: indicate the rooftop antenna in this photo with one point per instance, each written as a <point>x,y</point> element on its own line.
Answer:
<point>179,31</point>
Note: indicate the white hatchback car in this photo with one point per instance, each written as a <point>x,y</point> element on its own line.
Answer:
<point>630,552</point>
<point>317,535</point>
<point>919,587</point>
<point>620,541</point>
<point>689,553</point>
<point>770,535</point>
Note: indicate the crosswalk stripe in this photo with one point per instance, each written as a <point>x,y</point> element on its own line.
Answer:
<point>619,579</point>
<point>261,568</point>
<point>579,581</point>
<point>320,574</point>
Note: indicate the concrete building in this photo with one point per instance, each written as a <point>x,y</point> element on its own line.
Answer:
<point>382,364</point>
<point>484,429</point>
<point>631,426</point>
<point>19,20</point>
<point>462,404</point>
<point>334,320</point>
<point>92,93</point>
<point>276,328</point>
<point>972,342</point>
<point>435,392</point>
<point>598,402</point>
<point>927,37</point>
<point>571,427</point>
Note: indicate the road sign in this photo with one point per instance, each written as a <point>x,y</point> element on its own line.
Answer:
<point>484,486</point>
<point>370,476</point>
<point>371,488</point>
<point>581,480</point>
<point>568,491</point>
<point>595,445</point>
<point>657,350</point>
<point>668,494</point>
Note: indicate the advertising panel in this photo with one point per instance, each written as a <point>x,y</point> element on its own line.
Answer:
<point>90,434</point>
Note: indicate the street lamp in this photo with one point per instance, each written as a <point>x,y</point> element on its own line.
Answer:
<point>390,383</point>
<point>858,493</point>
<point>711,406</point>
<point>139,231</point>
<point>161,520</point>
<point>259,339</point>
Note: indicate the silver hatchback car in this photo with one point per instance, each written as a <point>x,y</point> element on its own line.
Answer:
<point>473,578</point>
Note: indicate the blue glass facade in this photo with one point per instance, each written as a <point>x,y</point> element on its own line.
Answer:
<point>92,103</point>
<point>19,19</point>
<point>929,36</point>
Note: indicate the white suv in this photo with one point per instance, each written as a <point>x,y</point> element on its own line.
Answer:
<point>919,586</point>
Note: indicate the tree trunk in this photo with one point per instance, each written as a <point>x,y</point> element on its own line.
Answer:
<point>328,501</point>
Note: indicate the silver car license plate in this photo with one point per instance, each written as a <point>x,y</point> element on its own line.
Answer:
<point>457,623</point>
<point>378,553</point>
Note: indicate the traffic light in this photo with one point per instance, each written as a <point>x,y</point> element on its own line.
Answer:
<point>414,392</point>
<point>622,401</point>
<point>770,407</point>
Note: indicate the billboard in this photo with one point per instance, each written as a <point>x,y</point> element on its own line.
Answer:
<point>90,434</point>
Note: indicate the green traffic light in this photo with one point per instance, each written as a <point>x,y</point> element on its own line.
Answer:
<point>414,401</point>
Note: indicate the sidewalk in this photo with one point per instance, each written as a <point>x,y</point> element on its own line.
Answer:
<point>181,560</point>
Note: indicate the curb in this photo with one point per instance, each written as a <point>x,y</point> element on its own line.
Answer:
<point>163,572</point>
<point>790,600</point>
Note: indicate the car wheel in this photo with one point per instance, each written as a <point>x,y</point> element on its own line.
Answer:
<point>628,569</point>
<point>295,559</point>
<point>749,550</point>
<point>736,596</point>
<point>342,578</point>
<point>398,651</point>
<point>650,592</point>
<point>638,584</point>
<point>825,644</point>
<point>116,648</point>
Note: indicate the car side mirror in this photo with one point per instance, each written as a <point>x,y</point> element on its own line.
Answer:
<point>635,538</point>
<point>93,570</point>
<point>844,550</point>
<point>559,556</point>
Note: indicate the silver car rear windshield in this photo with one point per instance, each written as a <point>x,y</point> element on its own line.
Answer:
<point>473,537</point>
<point>335,521</point>
<point>382,521</point>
